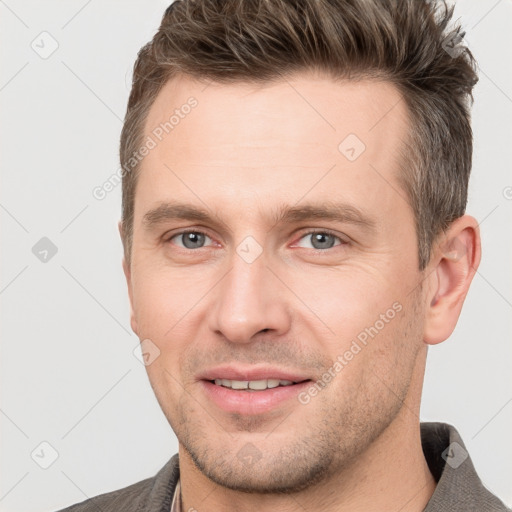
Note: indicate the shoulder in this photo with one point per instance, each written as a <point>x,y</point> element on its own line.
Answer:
<point>458,484</point>
<point>151,494</point>
<point>127,499</point>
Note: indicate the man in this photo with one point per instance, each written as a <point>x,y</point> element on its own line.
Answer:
<point>295,237</point>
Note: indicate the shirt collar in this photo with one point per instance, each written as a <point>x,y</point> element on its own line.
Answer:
<point>176,499</point>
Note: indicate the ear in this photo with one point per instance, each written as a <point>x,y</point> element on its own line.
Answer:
<point>128,276</point>
<point>454,263</point>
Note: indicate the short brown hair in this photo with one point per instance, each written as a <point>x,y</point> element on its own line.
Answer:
<point>406,42</point>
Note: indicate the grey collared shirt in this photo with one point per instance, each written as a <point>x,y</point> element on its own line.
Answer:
<point>458,486</point>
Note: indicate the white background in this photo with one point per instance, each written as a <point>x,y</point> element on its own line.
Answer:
<point>68,374</point>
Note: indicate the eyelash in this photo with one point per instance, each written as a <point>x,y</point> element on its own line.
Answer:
<point>311,232</point>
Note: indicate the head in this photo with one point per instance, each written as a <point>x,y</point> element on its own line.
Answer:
<point>294,188</point>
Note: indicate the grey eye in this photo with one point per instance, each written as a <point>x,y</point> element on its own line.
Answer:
<point>321,240</point>
<point>191,239</point>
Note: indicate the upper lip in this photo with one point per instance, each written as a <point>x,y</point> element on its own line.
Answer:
<point>232,372</point>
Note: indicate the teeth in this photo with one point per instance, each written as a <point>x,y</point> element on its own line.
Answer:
<point>239,384</point>
<point>272,383</point>
<point>256,385</point>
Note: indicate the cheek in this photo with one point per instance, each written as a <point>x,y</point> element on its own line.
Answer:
<point>166,386</point>
<point>346,303</point>
<point>168,312</point>
<point>377,363</point>
<point>162,299</point>
<point>393,345</point>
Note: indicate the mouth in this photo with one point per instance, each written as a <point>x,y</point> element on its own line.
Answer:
<point>252,391</point>
<point>253,385</point>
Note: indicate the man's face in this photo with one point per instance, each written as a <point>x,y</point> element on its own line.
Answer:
<point>256,294</point>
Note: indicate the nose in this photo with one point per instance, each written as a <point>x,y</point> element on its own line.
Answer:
<point>249,300</point>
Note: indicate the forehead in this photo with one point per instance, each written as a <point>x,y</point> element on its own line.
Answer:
<point>248,141</point>
<point>307,106</point>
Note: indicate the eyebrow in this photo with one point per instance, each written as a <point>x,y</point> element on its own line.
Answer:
<point>284,214</point>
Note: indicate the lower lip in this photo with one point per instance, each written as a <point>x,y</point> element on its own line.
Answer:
<point>251,402</point>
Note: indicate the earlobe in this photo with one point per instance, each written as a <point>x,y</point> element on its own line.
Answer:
<point>120,228</point>
<point>128,276</point>
<point>455,261</point>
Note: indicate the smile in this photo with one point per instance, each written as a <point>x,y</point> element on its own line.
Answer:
<point>253,385</point>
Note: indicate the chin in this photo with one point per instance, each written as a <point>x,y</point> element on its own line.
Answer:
<point>273,473</point>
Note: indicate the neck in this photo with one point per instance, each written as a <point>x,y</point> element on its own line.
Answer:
<point>392,474</point>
